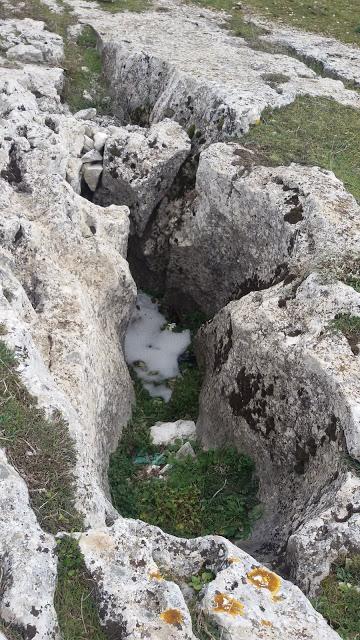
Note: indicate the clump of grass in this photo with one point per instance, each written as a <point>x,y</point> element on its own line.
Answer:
<point>74,596</point>
<point>117,6</point>
<point>330,17</point>
<point>9,631</point>
<point>39,448</point>
<point>311,131</point>
<point>349,325</point>
<point>339,601</point>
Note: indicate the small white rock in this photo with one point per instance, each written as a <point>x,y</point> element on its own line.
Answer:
<point>168,432</point>
<point>99,140</point>
<point>85,114</point>
<point>92,173</point>
<point>88,144</point>
<point>91,156</point>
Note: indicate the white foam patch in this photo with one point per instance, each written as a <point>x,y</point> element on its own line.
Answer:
<point>153,350</point>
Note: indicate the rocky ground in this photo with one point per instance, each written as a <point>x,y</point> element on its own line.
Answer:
<point>268,252</point>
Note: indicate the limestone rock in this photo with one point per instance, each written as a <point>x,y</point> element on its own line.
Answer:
<point>99,140</point>
<point>141,574</point>
<point>91,156</point>
<point>283,385</point>
<point>168,432</point>
<point>92,173</point>
<point>28,41</point>
<point>249,227</point>
<point>180,62</point>
<point>140,166</point>
<point>85,114</point>
<point>28,562</point>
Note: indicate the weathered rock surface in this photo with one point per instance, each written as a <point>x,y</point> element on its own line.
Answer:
<point>284,385</point>
<point>140,165</point>
<point>249,227</point>
<point>62,260</point>
<point>28,562</point>
<point>142,575</point>
<point>177,61</point>
<point>28,41</point>
<point>337,59</point>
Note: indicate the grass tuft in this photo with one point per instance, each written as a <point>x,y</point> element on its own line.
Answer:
<point>311,131</point>
<point>74,596</point>
<point>39,448</point>
<point>339,601</point>
<point>348,325</point>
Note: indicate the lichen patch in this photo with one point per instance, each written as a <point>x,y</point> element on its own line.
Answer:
<point>155,575</point>
<point>172,616</point>
<point>262,578</point>
<point>227,604</point>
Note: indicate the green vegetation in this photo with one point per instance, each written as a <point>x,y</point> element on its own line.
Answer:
<point>311,131</point>
<point>199,581</point>
<point>353,281</point>
<point>117,6</point>
<point>39,448</point>
<point>9,631</point>
<point>213,493</point>
<point>330,17</point>
<point>350,326</point>
<point>339,601</point>
<point>74,596</point>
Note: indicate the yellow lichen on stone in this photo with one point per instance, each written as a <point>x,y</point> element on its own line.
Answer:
<point>262,578</point>
<point>172,616</point>
<point>155,575</point>
<point>266,623</point>
<point>233,560</point>
<point>227,604</point>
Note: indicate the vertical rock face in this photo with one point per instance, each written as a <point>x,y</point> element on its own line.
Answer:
<point>28,562</point>
<point>140,165</point>
<point>283,385</point>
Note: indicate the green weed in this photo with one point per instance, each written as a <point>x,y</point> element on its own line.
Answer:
<point>311,131</point>
<point>117,6</point>
<point>350,326</point>
<point>339,600</point>
<point>74,596</point>
<point>201,579</point>
<point>39,448</point>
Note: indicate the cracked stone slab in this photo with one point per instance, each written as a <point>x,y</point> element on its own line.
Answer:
<point>338,59</point>
<point>178,61</point>
<point>28,41</point>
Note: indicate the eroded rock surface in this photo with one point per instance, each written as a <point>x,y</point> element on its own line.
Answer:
<point>140,166</point>
<point>284,386</point>
<point>142,576</point>
<point>178,61</point>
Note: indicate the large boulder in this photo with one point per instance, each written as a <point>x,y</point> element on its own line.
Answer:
<point>282,384</point>
<point>251,226</point>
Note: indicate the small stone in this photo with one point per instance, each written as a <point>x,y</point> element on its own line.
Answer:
<point>91,156</point>
<point>88,144</point>
<point>186,451</point>
<point>99,140</point>
<point>85,114</point>
<point>165,433</point>
<point>92,173</point>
